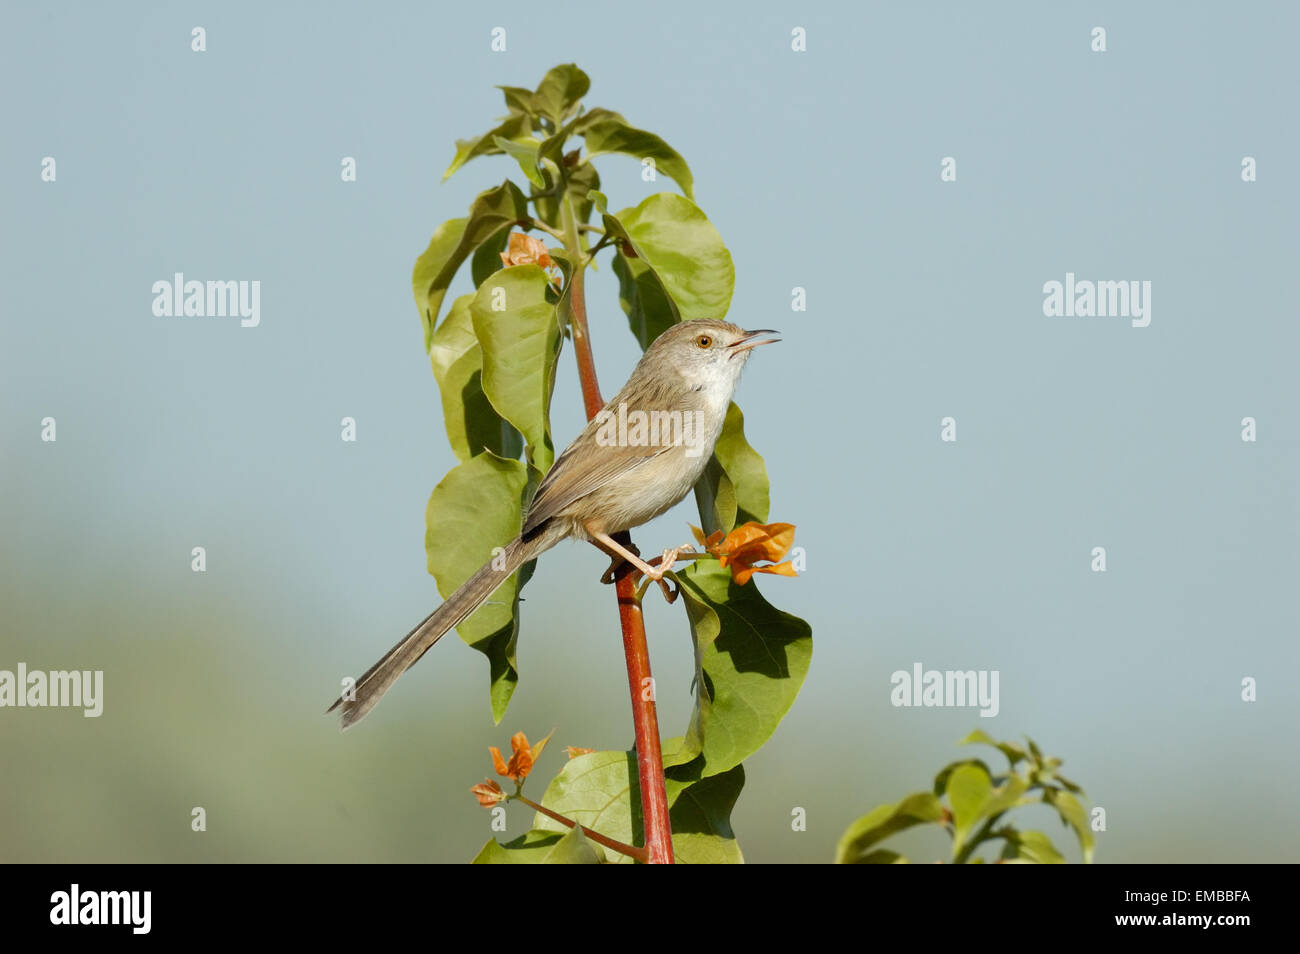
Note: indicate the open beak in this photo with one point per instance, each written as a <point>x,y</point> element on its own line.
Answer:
<point>752,341</point>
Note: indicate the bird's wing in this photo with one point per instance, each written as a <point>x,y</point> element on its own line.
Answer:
<point>583,468</point>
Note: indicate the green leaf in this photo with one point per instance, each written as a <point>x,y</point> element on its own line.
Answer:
<point>595,790</point>
<point>487,257</point>
<point>512,127</point>
<point>919,808</point>
<point>969,788</point>
<point>751,659</point>
<point>473,425</point>
<point>565,262</point>
<point>715,499</point>
<point>476,507</point>
<point>452,243</point>
<point>645,301</point>
<point>1029,847</point>
<point>744,467</point>
<point>519,100</point>
<point>613,135</point>
<point>941,780</point>
<point>734,486</point>
<point>883,856</point>
<point>1071,786</point>
<point>973,799</point>
<point>683,248</point>
<point>601,791</point>
<point>1072,813</point>
<point>701,820</point>
<point>700,849</point>
<point>1005,796</point>
<point>524,152</point>
<point>581,181</point>
<point>516,327</point>
<point>528,849</point>
<point>553,145</point>
<point>1013,752</point>
<point>559,92</point>
<point>441,255</point>
<point>542,848</point>
<point>675,753</point>
<point>575,848</point>
<point>645,298</point>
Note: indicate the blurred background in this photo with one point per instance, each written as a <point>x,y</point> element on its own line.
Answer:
<point>821,170</point>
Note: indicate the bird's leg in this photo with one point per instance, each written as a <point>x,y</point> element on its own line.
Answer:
<point>616,561</point>
<point>620,554</point>
<point>654,570</point>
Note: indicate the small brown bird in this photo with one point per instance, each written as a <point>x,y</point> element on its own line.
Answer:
<point>635,459</point>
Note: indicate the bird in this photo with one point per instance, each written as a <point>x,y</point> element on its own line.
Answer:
<point>635,459</point>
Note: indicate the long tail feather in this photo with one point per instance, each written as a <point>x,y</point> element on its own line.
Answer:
<point>377,680</point>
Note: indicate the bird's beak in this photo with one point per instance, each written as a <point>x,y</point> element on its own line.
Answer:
<point>752,341</point>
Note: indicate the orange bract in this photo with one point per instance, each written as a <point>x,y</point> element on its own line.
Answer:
<point>574,751</point>
<point>522,756</point>
<point>526,250</point>
<point>488,793</point>
<point>749,543</point>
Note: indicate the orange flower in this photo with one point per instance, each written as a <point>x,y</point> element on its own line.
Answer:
<point>574,751</point>
<point>743,547</point>
<point>522,756</point>
<point>526,250</point>
<point>710,542</point>
<point>488,793</point>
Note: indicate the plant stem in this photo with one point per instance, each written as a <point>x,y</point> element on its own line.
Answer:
<point>640,854</point>
<point>539,224</point>
<point>591,253</point>
<point>968,849</point>
<point>592,402</point>
<point>645,719</point>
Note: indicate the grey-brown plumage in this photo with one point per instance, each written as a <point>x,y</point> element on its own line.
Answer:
<point>608,480</point>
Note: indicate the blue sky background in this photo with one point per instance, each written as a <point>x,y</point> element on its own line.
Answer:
<point>821,170</point>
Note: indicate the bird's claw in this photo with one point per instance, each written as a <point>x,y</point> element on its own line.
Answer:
<point>660,566</point>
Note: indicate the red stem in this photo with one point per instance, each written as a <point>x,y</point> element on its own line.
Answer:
<point>645,718</point>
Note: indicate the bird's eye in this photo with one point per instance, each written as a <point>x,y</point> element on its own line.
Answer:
<point>704,341</point>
